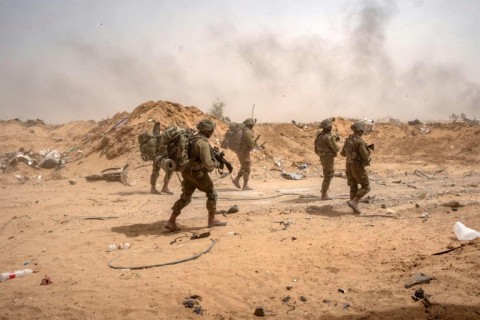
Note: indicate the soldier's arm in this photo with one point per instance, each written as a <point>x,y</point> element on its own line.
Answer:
<point>249,140</point>
<point>333,144</point>
<point>362,149</point>
<point>205,155</point>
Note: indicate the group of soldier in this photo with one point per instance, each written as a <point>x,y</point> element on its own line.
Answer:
<point>196,175</point>
<point>357,158</point>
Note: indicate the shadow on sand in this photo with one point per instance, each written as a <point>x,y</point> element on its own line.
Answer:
<point>156,228</point>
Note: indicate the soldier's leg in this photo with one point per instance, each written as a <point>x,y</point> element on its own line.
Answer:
<point>166,180</point>
<point>246,166</point>
<point>205,184</point>
<point>236,180</point>
<point>361,176</point>
<point>154,177</point>
<point>188,187</point>
<point>328,171</point>
<point>353,184</point>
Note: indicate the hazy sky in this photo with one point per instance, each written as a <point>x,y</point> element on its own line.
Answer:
<point>64,60</point>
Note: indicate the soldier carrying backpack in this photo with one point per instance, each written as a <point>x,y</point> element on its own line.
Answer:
<point>240,139</point>
<point>152,148</point>
<point>195,173</point>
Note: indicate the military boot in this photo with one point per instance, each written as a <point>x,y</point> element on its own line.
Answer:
<point>245,186</point>
<point>165,189</point>
<point>212,222</point>
<point>154,190</point>
<point>354,205</point>
<point>236,182</point>
<point>325,196</point>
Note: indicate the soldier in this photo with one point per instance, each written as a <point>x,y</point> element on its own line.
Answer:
<point>326,148</point>
<point>358,157</point>
<point>195,176</point>
<point>246,146</point>
<point>160,152</point>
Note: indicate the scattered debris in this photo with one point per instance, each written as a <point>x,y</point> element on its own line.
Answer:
<point>113,175</point>
<point>464,233</point>
<point>422,174</point>
<point>292,176</point>
<point>453,204</point>
<point>342,290</point>
<point>340,174</point>
<point>303,166</point>
<point>425,130</point>
<point>259,312</point>
<point>414,122</point>
<point>448,250</point>
<point>46,281</point>
<point>419,278</point>
<point>200,235</point>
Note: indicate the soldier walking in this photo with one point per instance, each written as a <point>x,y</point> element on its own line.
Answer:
<point>326,148</point>
<point>357,158</point>
<point>196,176</point>
<point>246,146</point>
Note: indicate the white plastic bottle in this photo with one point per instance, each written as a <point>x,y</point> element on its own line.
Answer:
<point>17,273</point>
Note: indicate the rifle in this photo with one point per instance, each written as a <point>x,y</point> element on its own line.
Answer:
<point>256,145</point>
<point>370,146</point>
<point>220,158</point>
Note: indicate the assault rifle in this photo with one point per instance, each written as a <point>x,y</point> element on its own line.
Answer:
<point>220,158</point>
<point>370,146</point>
<point>256,145</point>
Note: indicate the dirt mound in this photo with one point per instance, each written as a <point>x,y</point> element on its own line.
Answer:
<point>290,143</point>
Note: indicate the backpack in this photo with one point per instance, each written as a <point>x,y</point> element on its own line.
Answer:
<point>233,137</point>
<point>148,145</point>
<point>177,143</point>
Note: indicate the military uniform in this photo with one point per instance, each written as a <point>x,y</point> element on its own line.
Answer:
<point>357,158</point>
<point>196,176</point>
<point>161,152</point>
<point>327,149</point>
<point>246,146</point>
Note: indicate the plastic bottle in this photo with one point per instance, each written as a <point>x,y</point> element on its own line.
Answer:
<point>464,233</point>
<point>17,273</point>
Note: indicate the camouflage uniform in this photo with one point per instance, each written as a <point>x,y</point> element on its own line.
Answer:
<point>358,157</point>
<point>196,176</point>
<point>161,152</point>
<point>246,146</point>
<point>327,149</point>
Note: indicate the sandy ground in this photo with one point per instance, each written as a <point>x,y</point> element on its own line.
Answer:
<point>285,251</point>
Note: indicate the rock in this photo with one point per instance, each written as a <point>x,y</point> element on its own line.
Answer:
<point>419,278</point>
<point>259,312</point>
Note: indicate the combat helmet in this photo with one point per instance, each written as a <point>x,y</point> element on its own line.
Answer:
<point>326,123</point>
<point>358,126</point>
<point>206,125</point>
<point>249,123</point>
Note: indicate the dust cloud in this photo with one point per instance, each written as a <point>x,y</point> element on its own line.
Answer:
<point>303,79</point>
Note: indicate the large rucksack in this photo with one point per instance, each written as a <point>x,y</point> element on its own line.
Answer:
<point>233,137</point>
<point>175,142</point>
<point>148,145</point>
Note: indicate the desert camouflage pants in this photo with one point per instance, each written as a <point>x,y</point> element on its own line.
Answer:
<point>156,173</point>
<point>193,180</point>
<point>245,165</point>
<point>328,171</point>
<point>357,175</point>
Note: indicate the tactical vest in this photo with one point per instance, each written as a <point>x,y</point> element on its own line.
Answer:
<point>322,144</point>
<point>350,149</point>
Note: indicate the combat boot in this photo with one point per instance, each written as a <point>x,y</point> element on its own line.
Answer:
<point>236,182</point>
<point>212,222</point>
<point>245,186</point>
<point>325,196</point>
<point>154,190</point>
<point>165,189</point>
<point>354,205</point>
